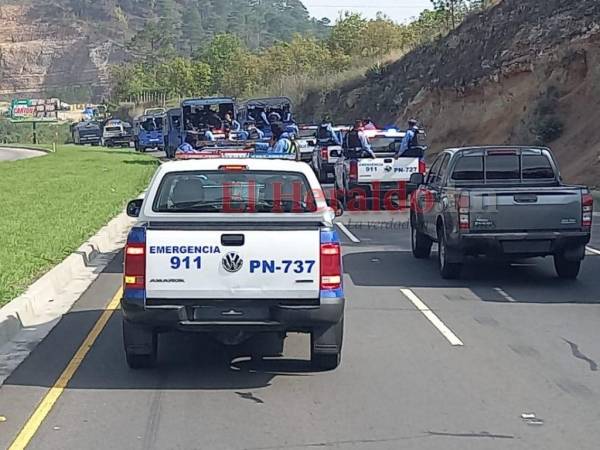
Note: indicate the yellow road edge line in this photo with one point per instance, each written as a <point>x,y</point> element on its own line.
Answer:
<point>47,403</point>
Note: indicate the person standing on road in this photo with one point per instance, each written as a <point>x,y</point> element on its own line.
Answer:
<point>410,139</point>
<point>356,139</point>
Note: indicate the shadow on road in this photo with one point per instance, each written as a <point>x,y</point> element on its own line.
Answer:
<point>527,281</point>
<point>186,361</point>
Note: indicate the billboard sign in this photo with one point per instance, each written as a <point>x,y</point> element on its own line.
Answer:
<point>34,109</point>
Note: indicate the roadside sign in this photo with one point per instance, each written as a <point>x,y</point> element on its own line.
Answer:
<point>38,110</point>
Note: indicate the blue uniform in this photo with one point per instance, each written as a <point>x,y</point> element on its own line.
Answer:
<point>332,135</point>
<point>235,126</point>
<point>209,136</point>
<point>186,148</point>
<point>283,144</point>
<point>292,128</point>
<point>254,133</point>
<point>406,141</point>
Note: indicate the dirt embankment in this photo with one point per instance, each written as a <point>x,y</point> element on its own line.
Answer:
<point>524,72</point>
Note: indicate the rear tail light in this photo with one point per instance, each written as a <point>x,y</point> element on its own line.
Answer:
<point>135,266</point>
<point>587,203</point>
<point>324,153</point>
<point>422,167</point>
<point>463,205</point>
<point>331,266</point>
<point>353,174</point>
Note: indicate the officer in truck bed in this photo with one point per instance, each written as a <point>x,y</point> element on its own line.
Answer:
<point>357,141</point>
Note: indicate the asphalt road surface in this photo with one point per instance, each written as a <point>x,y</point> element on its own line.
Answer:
<point>13,154</point>
<point>506,357</point>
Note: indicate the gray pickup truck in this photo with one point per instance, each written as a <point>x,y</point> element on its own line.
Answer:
<point>504,202</point>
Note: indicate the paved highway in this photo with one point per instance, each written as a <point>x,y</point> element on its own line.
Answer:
<point>507,357</point>
<point>13,154</point>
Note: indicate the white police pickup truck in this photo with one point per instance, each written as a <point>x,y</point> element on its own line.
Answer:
<point>233,247</point>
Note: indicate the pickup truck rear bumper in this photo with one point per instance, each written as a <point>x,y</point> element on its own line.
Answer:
<point>371,189</point>
<point>169,315</point>
<point>571,244</point>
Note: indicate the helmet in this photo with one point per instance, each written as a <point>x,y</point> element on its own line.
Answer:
<point>412,122</point>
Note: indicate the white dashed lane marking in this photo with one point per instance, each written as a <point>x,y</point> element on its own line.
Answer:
<point>347,232</point>
<point>430,315</point>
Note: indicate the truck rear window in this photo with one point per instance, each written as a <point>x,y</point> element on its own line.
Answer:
<point>113,129</point>
<point>468,168</point>
<point>536,167</point>
<point>234,192</point>
<point>503,166</point>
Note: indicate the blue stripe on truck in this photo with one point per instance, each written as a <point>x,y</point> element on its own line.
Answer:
<point>137,235</point>
<point>332,293</point>
<point>134,294</point>
<point>329,237</point>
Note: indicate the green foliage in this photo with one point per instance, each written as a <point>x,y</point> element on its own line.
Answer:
<point>47,133</point>
<point>347,34</point>
<point>235,63</point>
<point>44,195</point>
<point>548,125</point>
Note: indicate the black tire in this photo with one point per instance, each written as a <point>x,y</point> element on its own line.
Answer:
<point>420,243</point>
<point>331,337</point>
<point>448,271</point>
<point>135,337</point>
<point>566,269</point>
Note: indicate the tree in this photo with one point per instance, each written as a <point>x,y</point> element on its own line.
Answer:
<point>194,30</point>
<point>228,58</point>
<point>347,33</point>
<point>152,43</point>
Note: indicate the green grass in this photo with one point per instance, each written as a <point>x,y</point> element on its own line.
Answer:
<point>52,204</point>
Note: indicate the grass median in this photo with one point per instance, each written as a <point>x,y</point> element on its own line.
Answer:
<point>52,204</point>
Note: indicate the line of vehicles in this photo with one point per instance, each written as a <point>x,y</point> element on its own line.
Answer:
<point>236,241</point>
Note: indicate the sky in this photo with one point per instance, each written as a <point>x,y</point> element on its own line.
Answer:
<point>399,10</point>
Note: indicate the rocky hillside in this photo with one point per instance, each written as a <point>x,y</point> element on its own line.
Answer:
<point>64,47</point>
<point>523,72</point>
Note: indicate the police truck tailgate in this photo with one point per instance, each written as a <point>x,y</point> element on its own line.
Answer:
<point>386,169</point>
<point>233,264</point>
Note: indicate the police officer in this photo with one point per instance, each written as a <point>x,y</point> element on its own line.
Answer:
<point>281,141</point>
<point>410,139</point>
<point>189,146</point>
<point>357,140</point>
<point>325,134</point>
<point>251,132</point>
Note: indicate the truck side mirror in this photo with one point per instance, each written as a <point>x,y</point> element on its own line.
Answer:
<point>417,179</point>
<point>134,207</point>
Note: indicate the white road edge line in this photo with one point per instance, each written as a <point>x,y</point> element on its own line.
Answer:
<point>347,232</point>
<point>430,315</point>
<point>593,250</point>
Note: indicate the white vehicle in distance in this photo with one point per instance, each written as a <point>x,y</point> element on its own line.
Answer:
<point>233,247</point>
